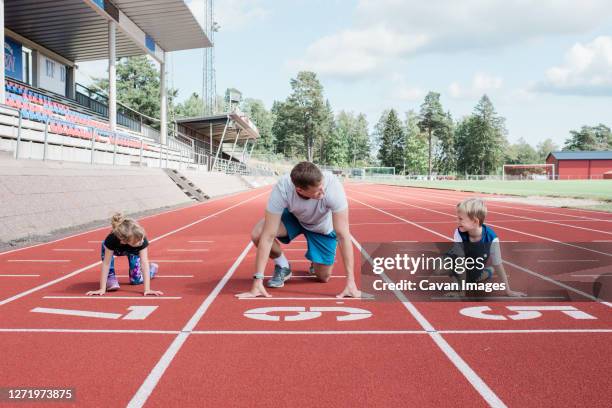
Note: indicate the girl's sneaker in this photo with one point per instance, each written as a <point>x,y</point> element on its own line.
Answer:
<point>153,269</point>
<point>112,284</point>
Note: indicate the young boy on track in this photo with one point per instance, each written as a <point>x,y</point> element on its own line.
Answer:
<point>126,238</point>
<point>478,240</point>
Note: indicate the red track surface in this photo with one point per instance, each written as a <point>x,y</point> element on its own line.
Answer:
<point>197,348</point>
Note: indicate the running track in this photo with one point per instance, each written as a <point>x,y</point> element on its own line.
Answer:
<point>197,347</point>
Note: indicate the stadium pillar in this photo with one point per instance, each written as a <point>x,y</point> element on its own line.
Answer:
<point>251,152</point>
<point>112,82</point>
<point>163,113</point>
<point>2,91</point>
<point>235,141</point>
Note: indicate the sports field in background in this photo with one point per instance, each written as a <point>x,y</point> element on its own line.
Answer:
<point>592,189</point>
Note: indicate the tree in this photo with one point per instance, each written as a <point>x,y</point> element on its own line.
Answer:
<point>359,144</point>
<point>263,119</point>
<point>192,107</point>
<point>445,154</point>
<point>590,138</point>
<point>392,149</point>
<point>285,130</point>
<point>488,136</point>
<point>138,86</point>
<point>431,120</point>
<point>521,153</point>
<point>544,148</point>
<point>416,146</point>
<point>309,109</point>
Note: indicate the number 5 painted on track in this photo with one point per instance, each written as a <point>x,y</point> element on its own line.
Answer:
<point>263,313</point>
<point>524,312</point>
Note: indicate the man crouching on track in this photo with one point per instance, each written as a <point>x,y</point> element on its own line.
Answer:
<point>312,203</point>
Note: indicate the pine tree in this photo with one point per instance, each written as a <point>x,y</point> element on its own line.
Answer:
<point>431,120</point>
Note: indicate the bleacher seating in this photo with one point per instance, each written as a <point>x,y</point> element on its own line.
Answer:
<point>61,118</point>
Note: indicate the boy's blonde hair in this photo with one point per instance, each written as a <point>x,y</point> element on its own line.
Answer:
<point>474,208</point>
<point>126,229</point>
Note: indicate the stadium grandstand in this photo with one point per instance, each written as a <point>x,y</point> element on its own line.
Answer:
<point>45,114</point>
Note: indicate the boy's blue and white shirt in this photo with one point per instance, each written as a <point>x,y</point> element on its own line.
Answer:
<point>490,248</point>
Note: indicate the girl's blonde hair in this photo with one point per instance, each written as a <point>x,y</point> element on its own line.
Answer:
<point>126,229</point>
<point>474,208</point>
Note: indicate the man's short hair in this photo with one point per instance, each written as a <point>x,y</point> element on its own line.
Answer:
<point>474,208</point>
<point>306,174</point>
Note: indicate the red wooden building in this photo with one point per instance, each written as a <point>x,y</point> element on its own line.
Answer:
<point>581,164</point>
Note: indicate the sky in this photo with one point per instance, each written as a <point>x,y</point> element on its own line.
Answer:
<point>545,64</point>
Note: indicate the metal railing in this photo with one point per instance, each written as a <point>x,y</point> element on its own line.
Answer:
<point>106,147</point>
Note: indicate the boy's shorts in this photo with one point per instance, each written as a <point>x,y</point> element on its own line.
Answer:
<point>321,247</point>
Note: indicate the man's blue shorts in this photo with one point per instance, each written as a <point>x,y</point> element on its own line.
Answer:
<point>321,247</point>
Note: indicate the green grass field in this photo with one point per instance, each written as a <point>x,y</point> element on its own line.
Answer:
<point>589,189</point>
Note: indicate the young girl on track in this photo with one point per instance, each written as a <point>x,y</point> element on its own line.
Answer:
<point>126,238</point>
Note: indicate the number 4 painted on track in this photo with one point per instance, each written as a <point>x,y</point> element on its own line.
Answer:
<point>524,312</point>
<point>136,312</point>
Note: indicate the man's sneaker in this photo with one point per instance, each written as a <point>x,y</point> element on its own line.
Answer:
<point>112,284</point>
<point>280,276</point>
<point>153,269</point>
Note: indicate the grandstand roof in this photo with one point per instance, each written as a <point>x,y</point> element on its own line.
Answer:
<point>78,29</point>
<point>582,155</point>
<point>236,121</point>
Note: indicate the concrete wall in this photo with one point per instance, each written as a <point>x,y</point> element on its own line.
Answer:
<point>37,197</point>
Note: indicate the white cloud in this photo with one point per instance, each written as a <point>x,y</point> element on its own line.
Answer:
<point>231,15</point>
<point>404,92</point>
<point>587,70</point>
<point>481,84</point>
<point>407,27</point>
<point>353,53</point>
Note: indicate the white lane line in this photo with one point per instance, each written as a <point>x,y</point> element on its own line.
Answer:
<point>495,297</point>
<point>602,275</point>
<point>491,224</point>
<point>162,276</point>
<point>546,278</point>
<point>82,313</point>
<point>40,260</point>
<point>533,250</point>
<point>345,332</point>
<point>331,297</point>
<point>602,240</point>
<point>567,260</point>
<point>187,250</point>
<point>495,212</point>
<point>149,384</point>
<point>177,260</point>
<point>73,249</point>
<point>110,297</point>
<point>478,383</point>
<point>517,331</point>
<point>118,331</point>
<point>18,276</point>
<point>308,276</point>
<point>300,332</point>
<point>289,332</point>
<point>546,210</point>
